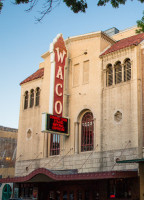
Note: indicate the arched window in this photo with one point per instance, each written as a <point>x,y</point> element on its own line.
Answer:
<point>118,72</point>
<point>31,98</point>
<point>37,96</point>
<point>127,70</point>
<point>26,100</point>
<point>109,75</point>
<point>87,132</point>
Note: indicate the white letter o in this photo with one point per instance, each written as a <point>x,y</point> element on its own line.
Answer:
<point>60,109</point>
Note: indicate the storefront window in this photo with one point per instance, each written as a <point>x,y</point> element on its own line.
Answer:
<point>71,195</point>
<point>26,190</point>
<point>64,195</point>
<point>57,195</point>
<point>119,188</point>
<point>96,195</point>
<point>51,195</point>
<point>86,195</point>
<point>79,195</point>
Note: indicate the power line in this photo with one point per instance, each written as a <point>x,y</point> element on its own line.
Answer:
<point>122,152</point>
<point>63,157</point>
<point>88,157</point>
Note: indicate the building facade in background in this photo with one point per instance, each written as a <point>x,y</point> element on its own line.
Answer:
<point>93,85</point>
<point>8,144</point>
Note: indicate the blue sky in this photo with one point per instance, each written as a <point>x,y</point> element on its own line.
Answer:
<point>23,41</point>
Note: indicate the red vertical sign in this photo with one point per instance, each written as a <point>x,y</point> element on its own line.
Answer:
<point>60,60</point>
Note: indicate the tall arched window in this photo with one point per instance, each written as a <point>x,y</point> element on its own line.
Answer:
<point>87,132</point>
<point>31,98</point>
<point>127,70</point>
<point>26,100</point>
<point>118,72</point>
<point>37,96</point>
<point>109,75</point>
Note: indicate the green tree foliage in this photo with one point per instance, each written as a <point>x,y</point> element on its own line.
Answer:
<point>75,5</point>
<point>1,5</point>
<point>140,25</point>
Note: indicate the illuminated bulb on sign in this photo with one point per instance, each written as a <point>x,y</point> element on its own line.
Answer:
<point>8,158</point>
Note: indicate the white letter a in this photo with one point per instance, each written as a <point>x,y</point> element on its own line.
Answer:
<point>59,73</point>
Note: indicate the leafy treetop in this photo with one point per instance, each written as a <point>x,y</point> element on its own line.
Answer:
<point>75,5</point>
<point>140,25</point>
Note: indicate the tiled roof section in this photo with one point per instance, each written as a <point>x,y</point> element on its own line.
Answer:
<point>127,42</point>
<point>38,74</point>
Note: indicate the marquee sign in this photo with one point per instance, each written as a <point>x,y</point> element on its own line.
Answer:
<point>55,124</point>
<point>58,59</point>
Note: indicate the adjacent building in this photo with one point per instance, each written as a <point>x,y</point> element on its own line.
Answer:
<point>8,144</point>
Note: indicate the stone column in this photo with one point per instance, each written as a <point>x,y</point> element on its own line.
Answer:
<point>94,138</point>
<point>114,75</point>
<point>122,73</point>
<point>105,78</point>
<point>45,145</point>
<point>49,143</point>
<point>76,139</point>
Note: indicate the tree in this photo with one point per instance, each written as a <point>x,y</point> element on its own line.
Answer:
<point>140,25</point>
<point>75,5</point>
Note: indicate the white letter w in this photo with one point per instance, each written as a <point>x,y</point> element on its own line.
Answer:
<point>60,55</point>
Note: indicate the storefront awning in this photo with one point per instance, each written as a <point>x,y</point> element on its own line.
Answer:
<point>45,175</point>
<point>137,160</point>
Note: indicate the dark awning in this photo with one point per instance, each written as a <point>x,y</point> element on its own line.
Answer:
<point>137,160</point>
<point>45,175</point>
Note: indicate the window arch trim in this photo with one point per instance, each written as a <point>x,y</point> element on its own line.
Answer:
<point>109,75</point>
<point>127,70</point>
<point>118,72</point>
<point>87,132</point>
<point>26,97</point>
<point>31,98</point>
<point>37,96</point>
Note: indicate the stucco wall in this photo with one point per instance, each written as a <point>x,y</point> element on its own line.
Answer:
<point>121,97</point>
<point>30,118</point>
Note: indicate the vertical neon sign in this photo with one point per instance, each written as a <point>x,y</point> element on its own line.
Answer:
<point>58,59</point>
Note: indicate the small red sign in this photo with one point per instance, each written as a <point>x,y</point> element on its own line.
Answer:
<point>112,196</point>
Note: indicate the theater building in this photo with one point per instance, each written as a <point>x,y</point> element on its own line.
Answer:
<point>81,120</point>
